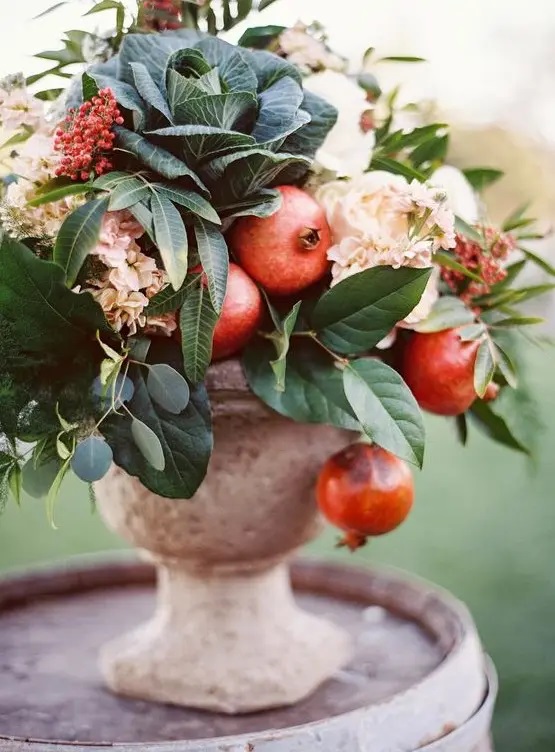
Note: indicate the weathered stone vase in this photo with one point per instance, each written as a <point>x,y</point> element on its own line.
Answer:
<point>227,634</point>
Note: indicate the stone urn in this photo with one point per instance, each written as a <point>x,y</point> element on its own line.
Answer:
<point>227,634</point>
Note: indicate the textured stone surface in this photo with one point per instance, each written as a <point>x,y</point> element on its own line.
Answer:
<point>408,638</point>
<point>224,594</point>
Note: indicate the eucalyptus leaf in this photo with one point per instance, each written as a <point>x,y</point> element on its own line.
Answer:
<point>37,477</point>
<point>168,388</point>
<point>92,459</point>
<point>385,408</point>
<point>148,444</point>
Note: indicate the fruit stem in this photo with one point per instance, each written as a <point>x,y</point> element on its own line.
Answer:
<point>314,337</point>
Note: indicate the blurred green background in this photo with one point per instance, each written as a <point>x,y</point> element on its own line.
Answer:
<point>483,526</point>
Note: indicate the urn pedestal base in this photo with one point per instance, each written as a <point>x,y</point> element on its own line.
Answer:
<point>232,643</point>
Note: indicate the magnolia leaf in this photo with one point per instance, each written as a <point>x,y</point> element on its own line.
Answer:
<point>92,459</point>
<point>484,368</point>
<point>148,444</point>
<point>385,408</point>
<point>171,239</point>
<point>78,236</point>
<point>357,313</point>
<point>196,322</point>
<point>281,340</point>
<point>214,258</point>
<point>168,388</point>
<point>313,384</point>
<point>448,312</point>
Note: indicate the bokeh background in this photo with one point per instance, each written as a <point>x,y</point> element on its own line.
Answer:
<point>484,521</point>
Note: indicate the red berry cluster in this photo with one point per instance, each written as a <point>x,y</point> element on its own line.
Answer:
<point>86,135</point>
<point>486,261</point>
<point>160,15</point>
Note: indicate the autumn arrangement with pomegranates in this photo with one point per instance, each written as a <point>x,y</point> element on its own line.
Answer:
<point>184,200</point>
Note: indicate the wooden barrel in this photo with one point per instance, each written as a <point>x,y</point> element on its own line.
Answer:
<point>418,679</point>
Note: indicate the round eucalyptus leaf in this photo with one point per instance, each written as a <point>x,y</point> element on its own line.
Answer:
<point>37,479</point>
<point>168,388</point>
<point>92,459</point>
<point>148,444</point>
<point>123,391</point>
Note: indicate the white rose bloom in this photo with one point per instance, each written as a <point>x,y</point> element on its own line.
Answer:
<point>461,197</point>
<point>346,150</point>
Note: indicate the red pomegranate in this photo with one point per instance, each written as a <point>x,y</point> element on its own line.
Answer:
<point>288,251</point>
<point>365,491</point>
<point>240,317</point>
<point>439,370</point>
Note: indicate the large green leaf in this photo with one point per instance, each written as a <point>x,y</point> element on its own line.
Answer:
<point>447,312</point>
<point>269,68</point>
<point>203,141</point>
<point>385,407</point>
<point>313,384</point>
<point>126,95</point>
<point>225,111</point>
<point>186,439</point>
<point>180,90</point>
<point>158,159</point>
<point>214,258</point>
<point>153,51</point>
<point>127,193</point>
<point>196,322</point>
<point>35,299</point>
<point>359,311</point>
<point>171,239</point>
<point>262,204</point>
<point>234,64</point>
<point>308,139</point>
<point>78,236</point>
<point>189,200</point>
<point>279,113</point>
<point>149,91</point>
<point>244,173</point>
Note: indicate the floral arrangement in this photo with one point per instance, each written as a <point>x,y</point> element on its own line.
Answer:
<point>184,200</point>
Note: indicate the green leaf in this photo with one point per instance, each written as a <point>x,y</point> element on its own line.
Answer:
<point>262,204</point>
<point>52,495</point>
<point>143,215</point>
<point>518,321</point>
<point>281,340</point>
<point>461,425</point>
<point>539,261</point>
<point>127,193</point>
<point>397,168</point>
<point>58,188</point>
<point>506,367</point>
<point>92,459</point>
<point>214,258</point>
<point>126,95</point>
<point>189,200</point>
<point>258,37</point>
<point>385,408</point>
<point>484,368</point>
<point>234,64</point>
<point>196,322</point>
<point>158,159</point>
<point>308,139</point>
<point>149,91</point>
<point>433,150</point>
<point>469,232</point>
<point>169,300</point>
<point>516,219</point>
<point>279,112</point>
<point>50,10</point>
<point>89,87</point>
<point>37,477</point>
<point>494,426</point>
<point>168,388</point>
<point>171,239</point>
<point>14,481</point>
<point>448,312</point>
<point>186,438</point>
<point>103,5</point>
<point>201,142</point>
<point>148,444</point>
<point>47,316</point>
<point>449,262</point>
<point>482,177</point>
<point>78,236</point>
<point>472,332</point>
<point>402,59</point>
<point>223,111</point>
<point>359,311</point>
<point>313,384</point>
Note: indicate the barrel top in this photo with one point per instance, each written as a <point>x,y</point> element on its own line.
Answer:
<point>53,621</point>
